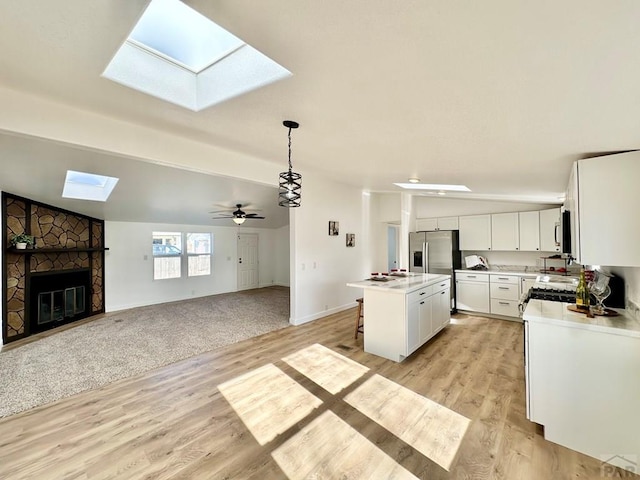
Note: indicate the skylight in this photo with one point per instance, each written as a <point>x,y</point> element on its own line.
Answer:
<point>88,186</point>
<point>177,54</point>
<point>433,186</point>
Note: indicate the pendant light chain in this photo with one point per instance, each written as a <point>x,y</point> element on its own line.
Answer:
<point>290,167</point>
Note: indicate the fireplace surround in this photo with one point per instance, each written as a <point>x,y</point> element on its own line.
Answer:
<point>62,277</point>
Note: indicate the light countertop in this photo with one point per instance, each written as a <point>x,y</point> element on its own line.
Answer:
<point>556,313</point>
<point>401,285</point>
<point>513,271</point>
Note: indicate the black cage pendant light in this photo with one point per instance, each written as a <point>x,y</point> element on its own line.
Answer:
<point>289,194</point>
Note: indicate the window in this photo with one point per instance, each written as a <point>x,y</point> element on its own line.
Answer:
<point>168,252</point>
<point>167,255</point>
<point>199,254</point>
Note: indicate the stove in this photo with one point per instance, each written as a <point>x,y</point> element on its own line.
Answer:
<point>553,295</point>
<point>550,288</point>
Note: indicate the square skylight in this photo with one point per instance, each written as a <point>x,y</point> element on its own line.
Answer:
<point>177,54</point>
<point>88,186</point>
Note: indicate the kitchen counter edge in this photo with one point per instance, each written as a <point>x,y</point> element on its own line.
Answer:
<point>556,313</point>
<point>401,285</point>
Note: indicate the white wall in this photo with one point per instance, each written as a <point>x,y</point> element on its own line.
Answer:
<point>129,275</point>
<point>281,250</point>
<point>321,265</point>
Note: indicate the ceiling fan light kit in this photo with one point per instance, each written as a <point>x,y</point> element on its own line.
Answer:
<point>239,216</point>
<point>290,191</point>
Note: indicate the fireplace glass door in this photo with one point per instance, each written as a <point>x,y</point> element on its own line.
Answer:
<point>60,304</point>
<point>51,307</point>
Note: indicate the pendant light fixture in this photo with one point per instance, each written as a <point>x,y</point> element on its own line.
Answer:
<point>290,182</point>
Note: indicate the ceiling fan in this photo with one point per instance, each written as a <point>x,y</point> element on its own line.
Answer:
<point>238,216</point>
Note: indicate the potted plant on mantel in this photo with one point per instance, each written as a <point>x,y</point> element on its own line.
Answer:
<point>22,241</point>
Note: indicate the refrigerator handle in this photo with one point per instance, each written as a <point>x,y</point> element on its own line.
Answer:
<point>425,257</point>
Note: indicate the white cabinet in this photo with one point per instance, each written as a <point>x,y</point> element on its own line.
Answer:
<point>583,387</point>
<point>413,327</point>
<point>529,229</point>
<point>526,283</point>
<point>504,231</point>
<point>426,224</point>
<point>419,328</point>
<point>440,223</point>
<point>475,232</point>
<point>505,294</point>
<point>399,317</point>
<point>448,223</point>
<point>608,224</point>
<point>550,230</point>
<point>441,310</point>
<point>472,292</point>
<point>425,329</point>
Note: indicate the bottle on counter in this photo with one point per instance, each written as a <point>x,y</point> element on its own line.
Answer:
<point>582,292</point>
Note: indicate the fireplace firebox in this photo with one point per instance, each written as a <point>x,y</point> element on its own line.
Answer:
<point>58,298</point>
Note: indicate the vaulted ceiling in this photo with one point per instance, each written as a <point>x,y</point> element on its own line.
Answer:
<point>498,95</point>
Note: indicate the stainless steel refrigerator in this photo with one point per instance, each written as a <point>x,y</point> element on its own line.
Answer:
<point>436,252</point>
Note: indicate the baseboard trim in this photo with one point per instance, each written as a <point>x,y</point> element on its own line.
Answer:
<point>316,316</point>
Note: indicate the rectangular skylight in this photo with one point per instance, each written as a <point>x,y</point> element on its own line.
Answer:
<point>179,55</point>
<point>88,186</point>
<point>434,186</point>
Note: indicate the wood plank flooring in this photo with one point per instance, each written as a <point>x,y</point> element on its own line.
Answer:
<point>175,423</point>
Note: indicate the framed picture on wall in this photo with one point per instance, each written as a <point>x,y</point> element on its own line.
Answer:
<point>334,228</point>
<point>351,239</point>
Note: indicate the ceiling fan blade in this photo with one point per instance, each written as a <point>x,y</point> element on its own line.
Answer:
<point>219,217</point>
<point>254,215</point>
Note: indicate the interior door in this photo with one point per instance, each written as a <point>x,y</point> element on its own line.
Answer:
<point>248,261</point>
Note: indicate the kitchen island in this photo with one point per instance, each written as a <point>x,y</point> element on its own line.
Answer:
<point>403,313</point>
<point>582,380</point>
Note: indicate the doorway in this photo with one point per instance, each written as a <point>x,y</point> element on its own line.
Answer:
<point>393,235</point>
<point>248,261</point>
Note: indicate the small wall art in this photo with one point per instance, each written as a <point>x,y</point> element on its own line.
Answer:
<point>334,228</point>
<point>351,239</point>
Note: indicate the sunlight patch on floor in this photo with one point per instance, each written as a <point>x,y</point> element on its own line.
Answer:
<point>268,401</point>
<point>432,429</point>
<point>323,366</point>
<point>329,448</point>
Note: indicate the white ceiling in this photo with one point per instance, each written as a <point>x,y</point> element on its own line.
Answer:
<point>499,95</point>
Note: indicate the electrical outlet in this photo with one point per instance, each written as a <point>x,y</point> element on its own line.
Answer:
<point>303,266</point>
<point>314,265</point>
<point>146,257</point>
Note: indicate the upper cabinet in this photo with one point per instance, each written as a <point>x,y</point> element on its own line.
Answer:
<point>475,232</point>
<point>602,199</point>
<point>550,230</point>
<point>426,224</point>
<point>530,226</point>
<point>505,233</point>
<point>440,223</point>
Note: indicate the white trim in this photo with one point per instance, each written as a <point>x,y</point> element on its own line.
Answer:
<point>325,313</point>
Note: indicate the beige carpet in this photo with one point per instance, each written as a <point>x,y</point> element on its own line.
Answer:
<point>129,342</point>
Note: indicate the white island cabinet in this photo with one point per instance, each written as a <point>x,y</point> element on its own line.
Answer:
<point>402,314</point>
<point>582,380</point>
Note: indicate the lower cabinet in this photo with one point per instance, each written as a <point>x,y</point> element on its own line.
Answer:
<point>427,315</point>
<point>505,294</point>
<point>472,292</point>
<point>440,310</point>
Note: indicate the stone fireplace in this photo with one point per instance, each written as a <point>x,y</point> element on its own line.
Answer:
<point>59,281</point>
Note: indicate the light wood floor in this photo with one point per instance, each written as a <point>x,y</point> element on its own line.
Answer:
<point>175,423</point>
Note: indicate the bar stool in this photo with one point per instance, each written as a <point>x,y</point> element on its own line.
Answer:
<point>359,318</point>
